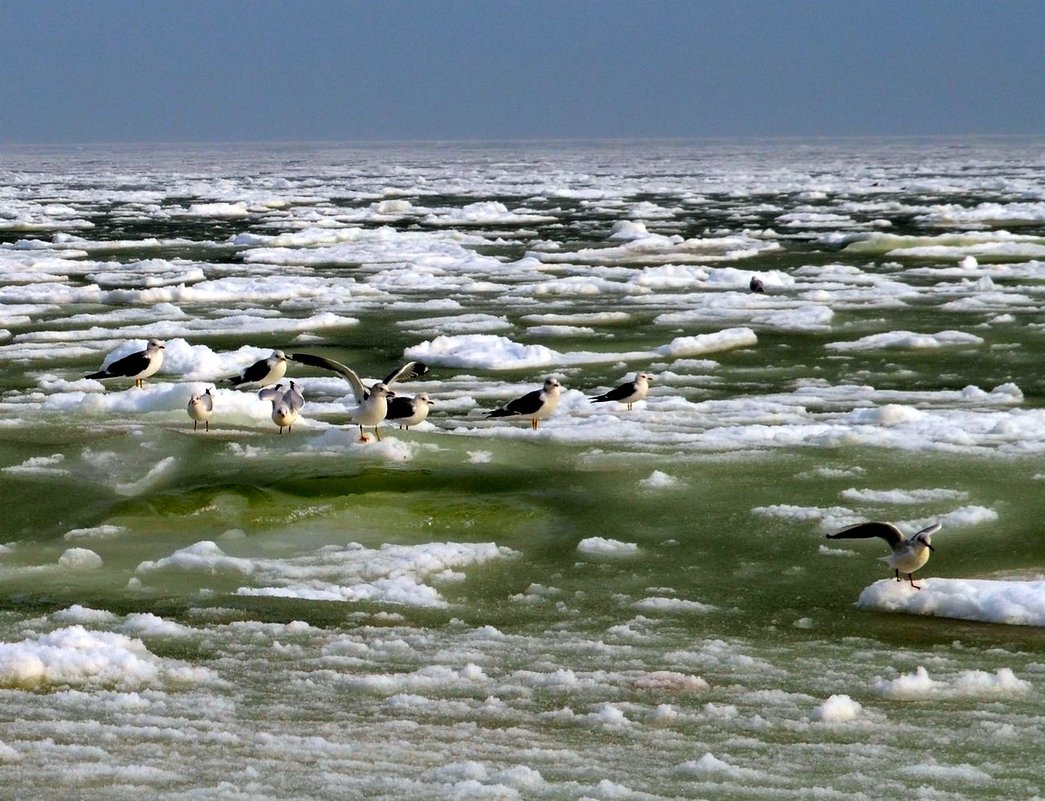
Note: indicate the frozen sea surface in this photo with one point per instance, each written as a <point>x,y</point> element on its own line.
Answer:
<point>622,604</point>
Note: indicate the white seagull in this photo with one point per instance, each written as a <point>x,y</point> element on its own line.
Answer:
<point>200,408</point>
<point>629,392</point>
<point>138,366</point>
<point>908,554</point>
<point>263,372</point>
<point>534,406</point>
<point>409,411</point>
<point>285,405</point>
<point>373,401</point>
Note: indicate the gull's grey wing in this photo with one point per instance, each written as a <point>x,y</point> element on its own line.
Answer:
<point>862,531</point>
<point>407,372</point>
<point>207,400</point>
<point>347,373</point>
<point>274,393</point>
<point>293,397</point>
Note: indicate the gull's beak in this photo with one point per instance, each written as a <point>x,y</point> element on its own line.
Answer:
<point>931,548</point>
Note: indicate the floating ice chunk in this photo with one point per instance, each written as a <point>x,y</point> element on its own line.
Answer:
<point>659,480</point>
<point>902,497</point>
<point>39,466</point>
<point>908,340</point>
<point>202,556</point>
<point>391,574</point>
<point>990,601</point>
<point>711,766</point>
<point>672,681</point>
<point>601,546</point>
<point>483,351</point>
<point>625,230</point>
<point>934,773</point>
<point>227,210</point>
<point>80,559</point>
<point>967,684</point>
<point>684,347</point>
<point>838,709</point>
<point>76,657</point>
<point>672,605</point>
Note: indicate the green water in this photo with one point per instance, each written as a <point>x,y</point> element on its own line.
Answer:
<point>692,666</point>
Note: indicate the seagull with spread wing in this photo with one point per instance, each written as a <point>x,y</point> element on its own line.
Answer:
<point>286,406</point>
<point>373,401</point>
<point>909,554</point>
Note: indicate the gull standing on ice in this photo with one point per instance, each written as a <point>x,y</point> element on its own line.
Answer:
<point>756,285</point>
<point>373,401</point>
<point>285,405</point>
<point>263,372</point>
<point>200,409</point>
<point>629,392</point>
<point>908,554</point>
<point>138,366</point>
<point>534,405</point>
<point>409,411</point>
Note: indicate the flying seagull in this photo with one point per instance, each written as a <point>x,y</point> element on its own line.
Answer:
<point>534,405</point>
<point>629,392</point>
<point>138,366</point>
<point>263,372</point>
<point>409,411</point>
<point>285,405</point>
<point>756,285</point>
<point>908,554</point>
<point>373,401</point>
<point>200,408</point>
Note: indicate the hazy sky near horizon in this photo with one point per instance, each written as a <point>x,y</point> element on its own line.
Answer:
<point>325,70</point>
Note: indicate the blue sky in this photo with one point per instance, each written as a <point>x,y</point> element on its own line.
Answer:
<point>198,70</point>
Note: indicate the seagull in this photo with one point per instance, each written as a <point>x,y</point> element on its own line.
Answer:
<point>533,405</point>
<point>263,372</point>
<point>200,409</point>
<point>409,411</point>
<point>285,405</point>
<point>756,285</point>
<point>138,366</point>
<point>629,392</point>
<point>908,554</point>
<point>373,401</point>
